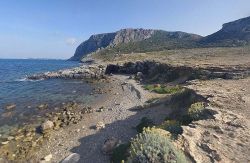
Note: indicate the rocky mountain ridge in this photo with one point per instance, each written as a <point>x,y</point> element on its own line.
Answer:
<point>100,41</point>
<point>126,36</point>
<point>235,33</point>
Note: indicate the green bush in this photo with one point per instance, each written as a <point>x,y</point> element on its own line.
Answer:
<point>161,89</point>
<point>173,126</point>
<point>196,110</point>
<point>120,153</point>
<point>154,145</point>
<point>145,122</point>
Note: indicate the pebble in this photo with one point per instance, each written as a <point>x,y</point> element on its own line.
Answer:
<point>100,125</point>
<point>48,157</point>
<point>11,106</point>
<point>10,138</point>
<point>5,142</point>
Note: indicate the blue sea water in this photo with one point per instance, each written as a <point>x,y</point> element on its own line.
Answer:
<point>27,95</point>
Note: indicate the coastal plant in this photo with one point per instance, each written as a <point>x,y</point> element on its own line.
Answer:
<point>154,145</point>
<point>196,110</point>
<point>145,122</point>
<point>173,126</point>
<point>120,153</point>
<point>182,99</point>
<point>161,89</point>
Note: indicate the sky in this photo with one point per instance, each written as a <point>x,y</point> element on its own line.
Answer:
<point>54,28</point>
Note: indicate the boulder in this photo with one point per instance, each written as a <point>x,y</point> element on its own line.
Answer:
<point>109,145</point>
<point>139,75</point>
<point>46,126</point>
<point>42,106</point>
<point>47,158</point>
<point>11,106</point>
<point>100,125</point>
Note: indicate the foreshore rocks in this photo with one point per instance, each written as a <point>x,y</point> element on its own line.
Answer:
<point>23,141</point>
<point>156,71</point>
<point>81,72</point>
<point>10,106</point>
<point>48,125</point>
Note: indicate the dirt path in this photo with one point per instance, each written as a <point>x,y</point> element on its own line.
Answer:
<point>119,117</point>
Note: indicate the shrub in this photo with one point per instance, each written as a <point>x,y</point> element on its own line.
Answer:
<point>183,99</point>
<point>145,122</point>
<point>161,89</point>
<point>196,110</point>
<point>120,153</point>
<point>154,145</point>
<point>173,126</point>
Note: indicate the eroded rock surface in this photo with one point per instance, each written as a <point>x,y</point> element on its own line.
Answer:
<point>225,138</point>
<point>81,72</point>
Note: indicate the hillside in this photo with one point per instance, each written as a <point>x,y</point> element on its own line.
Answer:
<point>235,33</point>
<point>135,40</point>
<point>100,41</point>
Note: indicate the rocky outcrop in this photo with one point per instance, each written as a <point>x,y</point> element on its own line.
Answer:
<point>155,71</point>
<point>100,41</point>
<point>81,72</point>
<point>232,34</point>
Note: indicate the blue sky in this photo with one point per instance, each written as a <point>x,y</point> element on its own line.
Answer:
<point>54,28</point>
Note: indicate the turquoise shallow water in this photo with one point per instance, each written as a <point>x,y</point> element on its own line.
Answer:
<point>27,95</point>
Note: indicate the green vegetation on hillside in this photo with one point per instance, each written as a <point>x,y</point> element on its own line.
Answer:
<point>161,89</point>
<point>160,41</point>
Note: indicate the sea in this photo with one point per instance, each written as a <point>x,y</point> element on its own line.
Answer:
<point>27,95</point>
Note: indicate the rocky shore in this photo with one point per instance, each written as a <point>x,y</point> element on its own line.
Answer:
<point>81,72</point>
<point>112,121</point>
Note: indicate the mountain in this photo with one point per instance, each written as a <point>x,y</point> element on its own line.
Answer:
<point>134,40</point>
<point>100,41</point>
<point>235,33</point>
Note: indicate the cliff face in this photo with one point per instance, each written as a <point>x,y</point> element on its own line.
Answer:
<point>92,44</point>
<point>132,35</point>
<point>236,33</point>
<point>134,40</point>
<point>232,34</point>
<point>100,41</point>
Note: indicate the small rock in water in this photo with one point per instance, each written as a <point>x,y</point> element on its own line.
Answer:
<point>11,106</point>
<point>42,106</point>
<point>47,126</point>
<point>10,138</point>
<point>109,145</point>
<point>5,142</point>
<point>100,125</point>
<point>48,157</point>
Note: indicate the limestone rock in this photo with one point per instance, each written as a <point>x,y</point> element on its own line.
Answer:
<point>109,145</point>
<point>46,126</point>
<point>72,158</point>
<point>47,158</point>
<point>11,106</point>
<point>100,125</point>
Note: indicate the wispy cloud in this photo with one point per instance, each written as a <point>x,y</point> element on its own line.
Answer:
<point>71,41</point>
